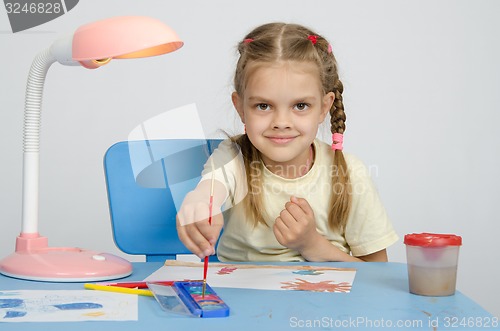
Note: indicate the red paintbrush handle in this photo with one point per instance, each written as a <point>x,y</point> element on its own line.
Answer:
<point>205,263</point>
<point>205,268</point>
<point>210,209</point>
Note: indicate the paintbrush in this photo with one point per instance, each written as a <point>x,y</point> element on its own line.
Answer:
<point>210,204</point>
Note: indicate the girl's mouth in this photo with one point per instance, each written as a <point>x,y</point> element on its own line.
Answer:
<point>281,140</point>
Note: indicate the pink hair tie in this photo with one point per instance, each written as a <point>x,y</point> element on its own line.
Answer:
<point>248,40</point>
<point>337,141</point>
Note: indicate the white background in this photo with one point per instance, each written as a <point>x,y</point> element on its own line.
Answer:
<point>421,95</point>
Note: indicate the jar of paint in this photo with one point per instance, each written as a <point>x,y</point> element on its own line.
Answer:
<point>432,263</point>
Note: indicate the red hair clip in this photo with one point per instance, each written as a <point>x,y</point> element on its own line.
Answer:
<point>313,39</point>
<point>248,40</point>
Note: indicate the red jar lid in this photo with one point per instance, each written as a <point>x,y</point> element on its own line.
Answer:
<point>432,239</point>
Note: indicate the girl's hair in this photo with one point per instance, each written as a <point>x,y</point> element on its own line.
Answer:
<point>271,43</point>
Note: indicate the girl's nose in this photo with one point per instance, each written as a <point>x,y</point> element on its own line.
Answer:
<point>281,120</point>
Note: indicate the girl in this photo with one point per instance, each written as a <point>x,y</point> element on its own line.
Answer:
<point>305,200</point>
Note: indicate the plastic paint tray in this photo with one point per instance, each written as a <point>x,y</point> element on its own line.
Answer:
<point>186,298</point>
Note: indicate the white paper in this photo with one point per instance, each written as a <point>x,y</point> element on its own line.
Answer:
<point>261,277</point>
<point>67,306</point>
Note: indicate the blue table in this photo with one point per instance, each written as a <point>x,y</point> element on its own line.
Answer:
<point>378,300</point>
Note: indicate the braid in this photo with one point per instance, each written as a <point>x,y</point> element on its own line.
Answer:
<point>341,200</point>
<point>337,113</point>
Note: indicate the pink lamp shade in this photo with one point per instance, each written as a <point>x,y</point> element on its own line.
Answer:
<point>122,37</point>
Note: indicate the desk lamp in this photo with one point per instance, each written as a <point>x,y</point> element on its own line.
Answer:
<point>91,46</point>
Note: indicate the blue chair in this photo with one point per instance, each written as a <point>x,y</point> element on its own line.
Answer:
<point>145,181</point>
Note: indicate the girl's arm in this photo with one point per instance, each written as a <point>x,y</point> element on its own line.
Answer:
<point>322,250</point>
<point>380,256</point>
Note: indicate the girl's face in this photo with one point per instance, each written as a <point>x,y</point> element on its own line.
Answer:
<point>282,107</point>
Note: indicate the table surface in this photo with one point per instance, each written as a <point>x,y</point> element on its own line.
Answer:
<point>379,299</point>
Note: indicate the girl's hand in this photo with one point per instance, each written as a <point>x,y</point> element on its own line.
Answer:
<point>201,237</point>
<point>193,227</point>
<point>295,228</point>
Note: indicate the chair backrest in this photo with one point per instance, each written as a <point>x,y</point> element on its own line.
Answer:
<point>145,180</point>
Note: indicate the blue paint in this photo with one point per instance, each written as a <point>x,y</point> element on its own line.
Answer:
<point>11,303</point>
<point>78,306</point>
<point>310,272</point>
<point>14,314</point>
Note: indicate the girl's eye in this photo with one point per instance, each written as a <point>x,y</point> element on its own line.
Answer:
<point>301,106</point>
<point>263,106</point>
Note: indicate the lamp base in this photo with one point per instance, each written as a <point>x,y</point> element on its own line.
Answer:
<point>64,264</point>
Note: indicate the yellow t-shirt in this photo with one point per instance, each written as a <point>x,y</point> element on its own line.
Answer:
<point>368,228</point>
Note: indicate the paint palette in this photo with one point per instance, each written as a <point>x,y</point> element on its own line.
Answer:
<point>186,298</point>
